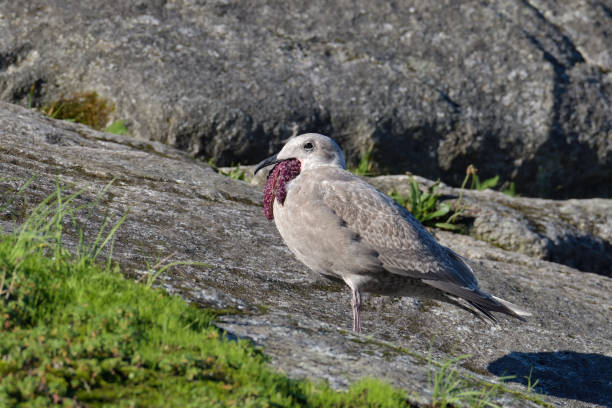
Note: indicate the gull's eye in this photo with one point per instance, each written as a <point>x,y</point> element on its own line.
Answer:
<point>308,146</point>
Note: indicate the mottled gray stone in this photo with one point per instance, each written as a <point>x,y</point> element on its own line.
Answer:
<point>520,89</point>
<point>183,208</point>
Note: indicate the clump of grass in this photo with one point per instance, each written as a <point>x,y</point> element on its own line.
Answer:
<point>450,389</point>
<point>235,173</point>
<point>9,208</point>
<point>471,174</point>
<point>530,383</point>
<point>483,185</point>
<point>427,208</point>
<point>31,94</point>
<point>77,333</point>
<point>366,164</point>
<point>161,265</point>
<point>510,190</point>
<point>87,108</point>
<point>117,127</point>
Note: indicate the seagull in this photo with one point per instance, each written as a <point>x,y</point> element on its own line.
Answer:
<point>343,228</point>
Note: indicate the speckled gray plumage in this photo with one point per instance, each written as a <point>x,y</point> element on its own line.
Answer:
<point>342,227</point>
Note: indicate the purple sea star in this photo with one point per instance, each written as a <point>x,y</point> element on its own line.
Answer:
<point>276,184</point>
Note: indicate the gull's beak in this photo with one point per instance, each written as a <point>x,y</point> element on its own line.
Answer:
<point>266,162</point>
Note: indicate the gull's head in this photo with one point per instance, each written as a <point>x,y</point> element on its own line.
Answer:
<point>311,150</point>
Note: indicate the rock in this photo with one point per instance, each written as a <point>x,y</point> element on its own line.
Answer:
<point>180,207</point>
<point>522,90</point>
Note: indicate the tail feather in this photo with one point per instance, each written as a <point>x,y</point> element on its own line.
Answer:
<point>467,288</point>
<point>516,311</point>
<point>481,301</point>
<point>485,312</point>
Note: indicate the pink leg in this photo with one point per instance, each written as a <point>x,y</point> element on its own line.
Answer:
<point>356,303</point>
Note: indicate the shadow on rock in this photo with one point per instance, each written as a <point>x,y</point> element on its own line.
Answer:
<point>565,374</point>
<point>581,251</point>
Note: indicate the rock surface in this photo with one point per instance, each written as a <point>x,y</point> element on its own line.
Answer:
<point>181,207</point>
<point>520,89</point>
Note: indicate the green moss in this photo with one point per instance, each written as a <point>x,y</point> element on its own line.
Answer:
<point>228,311</point>
<point>87,108</point>
<point>117,128</point>
<point>262,309</point>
